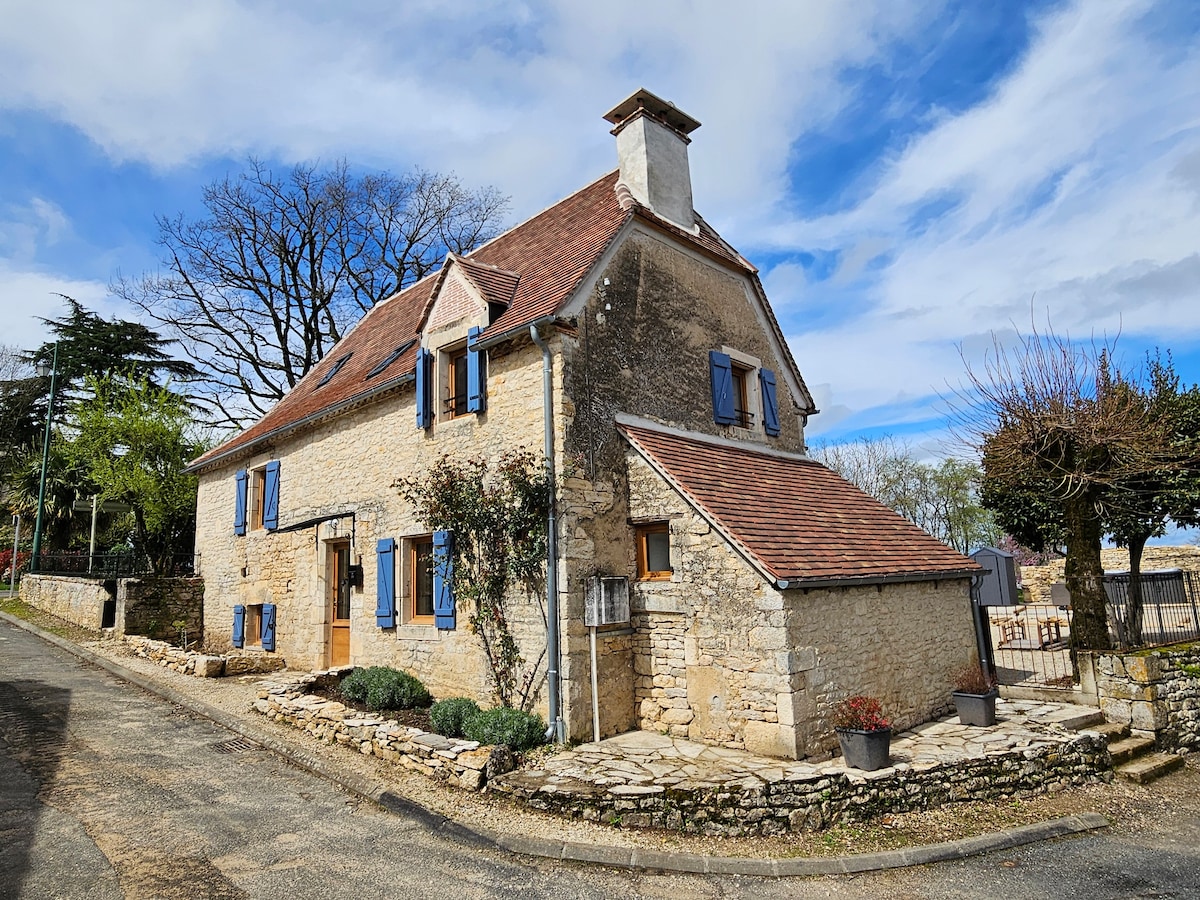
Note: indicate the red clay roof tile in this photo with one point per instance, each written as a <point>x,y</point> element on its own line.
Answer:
<point>799,520</point>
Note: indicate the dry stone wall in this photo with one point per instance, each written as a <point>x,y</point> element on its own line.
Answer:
<point>152,606</point>
<point>1155,691</point>
<point>822,799</point>
<point>203,665</point>
<point>465,764</point>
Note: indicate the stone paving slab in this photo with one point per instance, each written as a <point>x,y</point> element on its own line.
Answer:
<point>634,762</point>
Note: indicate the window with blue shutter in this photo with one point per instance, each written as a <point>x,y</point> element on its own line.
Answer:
<point>385,583</point>
<point>476,373</point>
<point>424,388</point>
<point>268,626</point>
<point>720,368</point>
<point>239,626</point>
<point>443,579</point>
<point>239,508</point>
<point>766,381</point>
<point>271,496</point>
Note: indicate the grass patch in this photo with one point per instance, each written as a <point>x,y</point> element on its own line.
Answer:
<point>19,609</point>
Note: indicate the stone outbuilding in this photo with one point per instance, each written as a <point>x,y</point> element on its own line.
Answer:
<point>620,327</point>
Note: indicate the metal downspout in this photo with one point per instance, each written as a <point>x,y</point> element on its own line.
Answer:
<point>555,731</point>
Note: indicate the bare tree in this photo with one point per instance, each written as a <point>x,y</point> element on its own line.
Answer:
<point>1063,420</point>
<point>942,498</point>
<point>259,289</point>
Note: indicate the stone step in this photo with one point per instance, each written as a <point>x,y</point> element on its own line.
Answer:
<point>1151,766</point>
<point>1113,731</point>
<point>1084,719</point>
<point>1126,749</point>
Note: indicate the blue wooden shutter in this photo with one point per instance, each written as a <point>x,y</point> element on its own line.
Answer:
<point>766,380</point>
<point>385,583</point>
<point>443,579</point>
<point>239,626</point>
<point>721,372</point>
<point>271,496</point>
<point>476,373</point>
<point>424,388</point>
<point>268,627</point>
<point>239,509</point>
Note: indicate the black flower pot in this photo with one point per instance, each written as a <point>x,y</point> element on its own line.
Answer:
<point>866,750</point>
<point>976,709</point>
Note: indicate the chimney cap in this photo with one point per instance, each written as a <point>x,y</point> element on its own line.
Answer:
<point>663,110</point>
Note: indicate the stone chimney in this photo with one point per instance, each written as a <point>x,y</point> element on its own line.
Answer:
<point>652,140</point>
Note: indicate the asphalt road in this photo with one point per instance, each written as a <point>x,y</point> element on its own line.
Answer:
<point>107,791</point>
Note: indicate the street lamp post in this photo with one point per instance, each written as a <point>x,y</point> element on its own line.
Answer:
<point>35,557</point>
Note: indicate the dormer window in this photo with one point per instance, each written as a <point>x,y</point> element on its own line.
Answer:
<point>456,382</point>
<point>336,368</point>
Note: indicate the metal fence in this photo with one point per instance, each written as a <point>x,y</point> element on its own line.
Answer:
<point>111,566</point>
<point>1031,641</point>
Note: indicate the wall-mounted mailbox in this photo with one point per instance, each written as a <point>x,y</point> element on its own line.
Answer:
<point>998,586</point>
<point>607,601</point>
<point>355,576</point>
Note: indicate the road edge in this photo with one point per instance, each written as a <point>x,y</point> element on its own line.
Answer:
<point>597,854</point>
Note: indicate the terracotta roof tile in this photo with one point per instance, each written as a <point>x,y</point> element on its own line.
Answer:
<point>798,519</point>
<point>534,268</point>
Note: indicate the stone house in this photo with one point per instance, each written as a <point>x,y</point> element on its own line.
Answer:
<point>621,328</point>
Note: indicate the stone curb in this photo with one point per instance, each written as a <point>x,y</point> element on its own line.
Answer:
<point>601,854</point>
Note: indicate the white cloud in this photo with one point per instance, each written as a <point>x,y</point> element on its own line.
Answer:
<point>1079,183</point>
<point>29,295</point>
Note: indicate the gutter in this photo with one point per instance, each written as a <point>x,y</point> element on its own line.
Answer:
<point>509,333</point>
<point>804,583</point>
<point>555,731</point>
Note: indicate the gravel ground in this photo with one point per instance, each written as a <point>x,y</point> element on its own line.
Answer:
<point>1130,807</point>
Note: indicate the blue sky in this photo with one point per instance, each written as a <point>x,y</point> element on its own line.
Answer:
<point>910,177</point>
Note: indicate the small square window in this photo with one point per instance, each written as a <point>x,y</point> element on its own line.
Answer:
<point>654,552</point>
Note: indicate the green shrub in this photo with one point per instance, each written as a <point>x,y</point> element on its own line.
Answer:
<point>449,717</point>
<point>382,687</point>
<point>502,725</point>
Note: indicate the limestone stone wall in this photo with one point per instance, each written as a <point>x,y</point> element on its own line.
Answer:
<point>1036,580</point>
<point>1154,691</point>
<point>464,764</point>
<point>900,643</point>
<point>642,345</point>
<point>349,464</point>
<point>810,798</point>
<point>203,665</point>
<point>77,600</point>
<point>151,606</point>
<point>710,644</point>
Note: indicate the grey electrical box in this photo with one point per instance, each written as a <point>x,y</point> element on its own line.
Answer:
<point>607,601</point>
<point>998,586</point>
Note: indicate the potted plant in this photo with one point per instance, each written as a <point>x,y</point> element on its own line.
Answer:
<point>864,732</point>
<point>975,694</point>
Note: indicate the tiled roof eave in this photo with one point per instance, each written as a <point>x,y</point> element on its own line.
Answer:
<point>846,581</point>
<point>379,392</point>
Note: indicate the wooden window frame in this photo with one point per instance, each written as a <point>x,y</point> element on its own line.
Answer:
<point>252,626</point>
<point>456,393</point>
<point>642,532</point>
<point>412,547</point>
<point>741,375</point>
<point>258,498</point>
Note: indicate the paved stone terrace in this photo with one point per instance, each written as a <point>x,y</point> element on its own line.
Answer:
<point>1034,747</point>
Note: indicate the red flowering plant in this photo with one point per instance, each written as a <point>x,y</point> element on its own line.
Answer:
<point>860,713</point>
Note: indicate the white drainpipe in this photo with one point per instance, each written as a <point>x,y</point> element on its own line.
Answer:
<point>555,731</point>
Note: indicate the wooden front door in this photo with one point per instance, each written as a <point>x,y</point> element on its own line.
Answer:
<point>339,604</point>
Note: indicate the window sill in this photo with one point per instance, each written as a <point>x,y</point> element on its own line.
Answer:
<point>417,631</point>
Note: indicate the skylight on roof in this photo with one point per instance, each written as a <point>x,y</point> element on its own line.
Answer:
<point>390,358</point>
<point>336,366</point>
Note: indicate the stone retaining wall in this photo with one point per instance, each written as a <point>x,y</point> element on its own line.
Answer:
<point>79,601</point>
<point>462,763</point>
<point>1155,691</point>
<point>150,606</point>
<point>203,665</point>
<point>1036,580</point>
<point>819,801</point>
